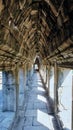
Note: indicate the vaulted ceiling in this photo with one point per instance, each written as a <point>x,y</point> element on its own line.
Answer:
<point>36,27</point>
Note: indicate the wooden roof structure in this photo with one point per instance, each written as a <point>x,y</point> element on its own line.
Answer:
<point>42,27</point>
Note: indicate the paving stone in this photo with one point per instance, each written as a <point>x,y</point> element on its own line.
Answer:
<point>35,122</point>
<point>39,105</point>
<point>43,119</point>
<point>30,106</point>
<point>10,115</point>
<point>32,99</point>
<point>6,123</point>
<point>1,118</point>
<point>3,128</point>
<point>28,121</point>
<point>31,113</point>
<point>35,128</point>
<point>21,113</point>
<point>6,120</point>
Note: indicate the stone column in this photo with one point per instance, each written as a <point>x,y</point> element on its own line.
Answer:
<point>27,75</point>
<point>51,88</point>
<point>55,87</point>
<point>10,90</point>
<point>31,70</point>
<point>65,98</point>
<point>48,79</point>
<point>16,70</point>
<point>24,77</point>
<point>22,91</point>
<point>21,87</point>
<point>28,78</point>
<point>72,101</point>
<point>21,81</point>
<point>46,74</point>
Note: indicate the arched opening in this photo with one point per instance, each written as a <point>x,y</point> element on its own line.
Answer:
<point>37,63</point>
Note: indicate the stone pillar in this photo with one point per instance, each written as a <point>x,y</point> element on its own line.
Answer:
<point>16,70</point>
<point>51,88</point>
<point>55,87</point>
<point>46,74</point>
<point>21,81</point>
<point>27,75</point>
<point>10,90</point>
<point>72,101</point>
<point>48,79</point>
<point>22,91</point>
<point>28,78</point>
<point>32,70</point>
<point>21,87</point>
<point>65,96</point>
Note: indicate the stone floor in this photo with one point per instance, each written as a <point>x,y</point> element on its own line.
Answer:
<point>38,115</point>
<point>6,120</point>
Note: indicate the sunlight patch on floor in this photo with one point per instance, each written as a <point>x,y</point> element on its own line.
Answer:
<point>44,119</point>
<point>41,89</point>
<point>41,98</point>
<point>39,83</point>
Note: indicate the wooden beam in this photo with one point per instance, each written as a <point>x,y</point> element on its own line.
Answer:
<point>53,8</point>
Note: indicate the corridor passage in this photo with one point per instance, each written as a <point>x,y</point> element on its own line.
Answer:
<point>38,114</point>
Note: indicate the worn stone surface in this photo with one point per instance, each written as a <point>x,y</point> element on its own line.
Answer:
<point>9,91</point>
<point>65,97</point>
<point>36,115</point>
<point>6,120</point>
